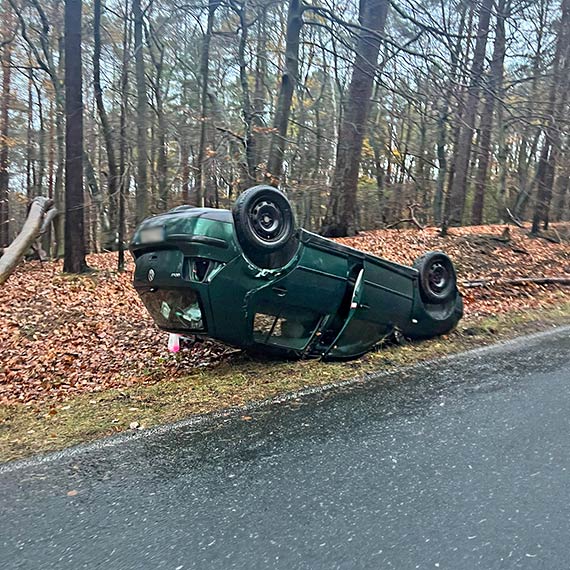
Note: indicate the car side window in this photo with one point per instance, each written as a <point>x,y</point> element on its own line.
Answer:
<point>288,328</point>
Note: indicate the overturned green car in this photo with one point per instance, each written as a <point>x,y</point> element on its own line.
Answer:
<point>249,278</point>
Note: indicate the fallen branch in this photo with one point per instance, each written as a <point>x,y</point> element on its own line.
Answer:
<point>38,212</point>
<point>513,218</point>
<point>412,219</point>
<point>518,282</point>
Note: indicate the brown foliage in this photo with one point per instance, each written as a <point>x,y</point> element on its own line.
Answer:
<point>62,335</point>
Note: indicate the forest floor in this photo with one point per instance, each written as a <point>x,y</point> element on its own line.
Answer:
<point>81,358</point>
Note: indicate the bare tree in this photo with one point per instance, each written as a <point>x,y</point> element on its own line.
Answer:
<point>142,124</point>
<point>494,87</point>
<point>289,79</point>
<point>458,191</point>
<point>204,106</point>
<point>558,97</point>
<point>113,176</point>
<point>74,258</point>
<point>6,60</point>
<point>341,217</point>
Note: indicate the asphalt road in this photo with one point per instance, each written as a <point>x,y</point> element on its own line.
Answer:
<point>458,465</point>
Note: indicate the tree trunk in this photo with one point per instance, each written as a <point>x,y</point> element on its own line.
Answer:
<point>441,162</point>
<point>141,195</point>
<point>157,49</point>
<point>4,133</point>
<point>124,178</point>
<point>341,213</point>
<point>288,82</point>
<point>259,93</point>
<point>556,116</point>
<point>58,194</point>
<point>493,89</point>
<point>113,177</point>
<point>74,257</point>
<point>29,141</point>
<point>41,166</point>
<point>458,190</point>
<point>250,167</point>
<point>204,68</point>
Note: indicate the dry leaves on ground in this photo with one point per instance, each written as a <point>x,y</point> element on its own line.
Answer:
<point>62,335</point>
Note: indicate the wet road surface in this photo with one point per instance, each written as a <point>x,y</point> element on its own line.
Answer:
<point>458,465</point>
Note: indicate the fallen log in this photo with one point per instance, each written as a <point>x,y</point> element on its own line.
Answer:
<point>37,245</point>
<point>520,282</point>
<point>13,254</point>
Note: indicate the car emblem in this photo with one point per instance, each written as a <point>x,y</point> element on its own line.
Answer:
<point>151,275</point>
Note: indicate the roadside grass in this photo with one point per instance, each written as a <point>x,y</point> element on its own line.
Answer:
<point>28,429</point>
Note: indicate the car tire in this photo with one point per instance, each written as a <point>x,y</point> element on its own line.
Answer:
<point>437,277</point>
<point>263,219</point>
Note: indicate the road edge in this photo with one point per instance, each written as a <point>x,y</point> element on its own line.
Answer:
<point>210,417</point>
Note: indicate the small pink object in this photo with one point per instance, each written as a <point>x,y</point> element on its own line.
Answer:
<point>173,342</point>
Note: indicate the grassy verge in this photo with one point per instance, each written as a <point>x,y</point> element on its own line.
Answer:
<point>25,430</point>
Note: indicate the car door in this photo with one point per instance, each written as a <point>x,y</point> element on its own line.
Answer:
<point>362,329</point>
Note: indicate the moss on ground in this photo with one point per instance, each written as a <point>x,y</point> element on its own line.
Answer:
<point>29,429</point>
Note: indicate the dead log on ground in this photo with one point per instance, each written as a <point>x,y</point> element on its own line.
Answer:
<point>520,282</point>
<point>37,245</point>
<point>40,209</point>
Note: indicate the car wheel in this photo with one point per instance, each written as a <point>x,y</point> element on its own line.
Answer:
<point>263,219</point>
<point>437,278</point>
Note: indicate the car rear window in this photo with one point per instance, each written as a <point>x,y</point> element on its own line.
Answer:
<point>175,309</point>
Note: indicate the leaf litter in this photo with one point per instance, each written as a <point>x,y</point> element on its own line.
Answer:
<point>63,335</point>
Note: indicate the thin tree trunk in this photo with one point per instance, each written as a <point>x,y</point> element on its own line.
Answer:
<point>58,193</point>
<point>204,68</point>
<point>124,178</point>
<point>247,109</point>
<point>29,141</point>
<point>463,154</point>
<point>4,133</point>
<point>556,114</point>
<point>141,195</point>
<point>493,89</point>
<point>113,177</point>
<point>289,79</point>
<point>441,162</point>
<point>258,93</point>
<point>41,167</point>
<point>160,127</point>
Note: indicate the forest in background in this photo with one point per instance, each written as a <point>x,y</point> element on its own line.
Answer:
<point>444,112</point>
